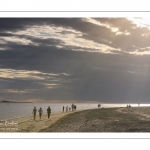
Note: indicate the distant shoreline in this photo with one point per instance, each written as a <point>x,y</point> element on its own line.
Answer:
<point>13,102</point>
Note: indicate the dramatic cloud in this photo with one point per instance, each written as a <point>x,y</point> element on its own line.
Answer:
<point>75,59</point>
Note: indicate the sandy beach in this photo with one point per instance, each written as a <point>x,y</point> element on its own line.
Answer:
<point>27,124</point>
<point>134,119</point>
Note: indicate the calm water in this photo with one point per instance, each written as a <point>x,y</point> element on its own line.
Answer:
<point>15,110</point>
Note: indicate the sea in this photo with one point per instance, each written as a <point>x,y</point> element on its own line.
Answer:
<point>17,110</point>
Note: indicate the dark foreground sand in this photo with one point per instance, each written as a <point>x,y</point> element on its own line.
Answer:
<point>134,119</point>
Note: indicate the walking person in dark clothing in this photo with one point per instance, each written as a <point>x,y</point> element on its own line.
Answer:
<point>72,107</point>
<point>48,111</point>
<point>67,109</point>
<point>63,108</point>
<point>75,107</point>
<point>99,105</point>
<point>34,113</point>
<point>40,112</point>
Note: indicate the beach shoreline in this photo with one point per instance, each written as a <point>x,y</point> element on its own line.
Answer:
<point>28,124</point>
<point>122,119</point>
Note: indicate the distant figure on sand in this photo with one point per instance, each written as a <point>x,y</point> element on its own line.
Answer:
<point>40,112</point>
<point>72,107</point>
<point>99,105</point>
<point>48,111</point>
<point>34,113</point>
<point>67,109</point>
<point>75,107</point>
<point>63,108</point>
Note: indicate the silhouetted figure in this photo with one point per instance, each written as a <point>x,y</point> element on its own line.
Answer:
<point>63,108</point>
<point>34,113</point>
<point>40,112</point>
<point>75,107</point>
<point>67,109</point>
<point>48,112</point>
<point>127,106</point>
<point>72,107</point>
<point>99,105</point>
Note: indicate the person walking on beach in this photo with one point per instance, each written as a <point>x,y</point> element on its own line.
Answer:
<point>75,107</point>
<point>63,108</point>
<point>40,112</point>
<point>34,113</point>
<point>67,109</point>
<point>48,111</point>
<point>72,107</point>
<point>99,105</point>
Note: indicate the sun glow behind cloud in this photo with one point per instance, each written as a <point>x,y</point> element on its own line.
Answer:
<point>68,36</point>
<point>141,22</point>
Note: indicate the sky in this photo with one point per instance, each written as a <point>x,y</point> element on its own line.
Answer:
<point>93,60</point>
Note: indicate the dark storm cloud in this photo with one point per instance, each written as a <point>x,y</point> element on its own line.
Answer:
<point>33,85</point>
<point>101,34</point>
<point>6,34</point>
<point>15,24</point>
<point>97,33</point>
<point>97,79</point>
<point>92,76</point>
<point>79,75</point>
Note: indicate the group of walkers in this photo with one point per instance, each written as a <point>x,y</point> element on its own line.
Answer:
<point>74,107</point>
<point>41,112</point>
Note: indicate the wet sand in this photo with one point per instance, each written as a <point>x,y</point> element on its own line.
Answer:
<point>134,119</point>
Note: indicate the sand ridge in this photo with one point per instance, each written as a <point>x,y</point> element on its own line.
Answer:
<point>105,120</point>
